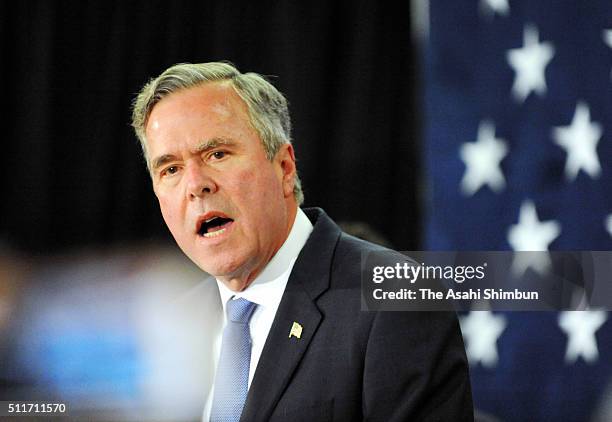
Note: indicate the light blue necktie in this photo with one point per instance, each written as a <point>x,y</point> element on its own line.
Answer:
<point>231,382</point>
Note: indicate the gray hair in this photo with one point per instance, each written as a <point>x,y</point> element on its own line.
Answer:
<point>267,107</point>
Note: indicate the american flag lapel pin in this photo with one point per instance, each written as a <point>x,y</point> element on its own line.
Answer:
<point>296,330</point>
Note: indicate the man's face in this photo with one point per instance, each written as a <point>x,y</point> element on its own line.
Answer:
<point>228,207</point>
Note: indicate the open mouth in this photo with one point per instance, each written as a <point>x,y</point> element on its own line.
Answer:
<point>214,226</point>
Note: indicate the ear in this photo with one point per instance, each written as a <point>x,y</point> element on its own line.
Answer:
<point>285,157</point>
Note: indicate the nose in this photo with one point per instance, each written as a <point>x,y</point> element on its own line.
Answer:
<point>199,183</point>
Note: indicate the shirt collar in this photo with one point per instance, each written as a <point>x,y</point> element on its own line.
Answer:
<point>269,286</point>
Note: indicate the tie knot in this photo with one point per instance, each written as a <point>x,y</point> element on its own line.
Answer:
<point>240,310</point>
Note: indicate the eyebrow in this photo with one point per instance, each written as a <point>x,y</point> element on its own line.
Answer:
<point>211,143</point>
<point>200,148</point>
<point>161,160</point>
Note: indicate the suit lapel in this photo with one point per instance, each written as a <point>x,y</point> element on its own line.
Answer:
<point>281,354</point>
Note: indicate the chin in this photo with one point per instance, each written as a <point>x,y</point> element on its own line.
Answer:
<point>218,267</point>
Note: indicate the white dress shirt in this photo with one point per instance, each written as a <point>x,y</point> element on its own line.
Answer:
<point>266,291</point>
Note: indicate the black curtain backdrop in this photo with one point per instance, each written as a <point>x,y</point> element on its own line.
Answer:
<point>73,174</point>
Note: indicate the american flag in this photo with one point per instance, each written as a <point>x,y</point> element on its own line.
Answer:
<point>518,153</point>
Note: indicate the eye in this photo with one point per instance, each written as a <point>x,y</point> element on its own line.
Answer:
<point>217,155</point>
<point>169,171</point>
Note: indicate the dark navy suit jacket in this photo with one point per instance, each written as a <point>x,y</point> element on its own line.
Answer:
<point>348,364</point>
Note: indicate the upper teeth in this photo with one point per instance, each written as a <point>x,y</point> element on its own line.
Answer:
<point>210,219</point>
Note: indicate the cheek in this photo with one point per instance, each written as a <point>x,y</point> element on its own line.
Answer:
<point>253,192</point>
<point>265,189</point>
<point>168,211</point>
<point>266,196</point>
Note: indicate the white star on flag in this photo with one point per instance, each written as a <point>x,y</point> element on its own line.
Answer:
<point>580,327</point>
<point>491,7</point>
<point>609,224</point>
<point>529,64</point>
<point>580,140</point>
<point>482,161</point>
<point>481,329</point>
<point>607,37</point>
<point>531,234</point>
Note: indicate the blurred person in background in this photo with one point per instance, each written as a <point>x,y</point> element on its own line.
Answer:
<point>295,343</point>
